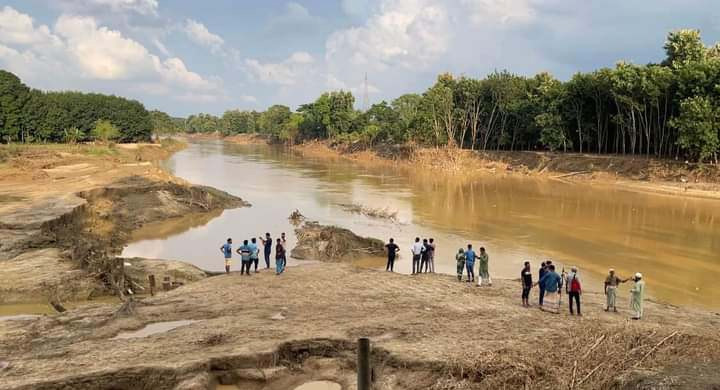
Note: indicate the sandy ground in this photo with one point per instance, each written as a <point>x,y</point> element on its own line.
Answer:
<point>428,331</point>
<point>63,202</point>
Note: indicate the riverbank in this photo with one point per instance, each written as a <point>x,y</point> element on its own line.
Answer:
<point>67,211</point>
<point>632,173</point>
<point>428,331</point>
<point>629,173</point>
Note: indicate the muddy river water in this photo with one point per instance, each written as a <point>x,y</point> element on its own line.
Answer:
<point>673,241</point>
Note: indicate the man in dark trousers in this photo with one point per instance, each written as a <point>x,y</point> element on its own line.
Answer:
<point>416,249</point>
<point>425,256</point>
<point>574,289</point>
<point>267,243</point>
<point>526,278</point>
<point>392,249</point>
<point>541,273</point>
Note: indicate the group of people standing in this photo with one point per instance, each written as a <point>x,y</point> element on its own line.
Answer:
<point>549,281</point>
<point>466,261</point>
<point>551,284</point>
<point>249,253</point>
<point>423,255</point>
<point>423,260</point>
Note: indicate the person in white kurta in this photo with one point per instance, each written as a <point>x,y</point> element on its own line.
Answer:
<point>637,294</point>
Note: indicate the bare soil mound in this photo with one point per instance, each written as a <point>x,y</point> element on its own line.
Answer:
<point>332,244</point>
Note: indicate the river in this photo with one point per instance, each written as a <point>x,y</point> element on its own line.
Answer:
<point>673,241</point>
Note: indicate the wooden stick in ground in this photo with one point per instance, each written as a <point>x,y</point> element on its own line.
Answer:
<point>572,381</point>
<point>653,349</point>
<point>589,374</point>
<point>595,345</point>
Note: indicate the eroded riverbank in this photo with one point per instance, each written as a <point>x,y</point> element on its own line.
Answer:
<point>67,211</point>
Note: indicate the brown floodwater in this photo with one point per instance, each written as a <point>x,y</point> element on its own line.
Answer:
<point>673,241</point>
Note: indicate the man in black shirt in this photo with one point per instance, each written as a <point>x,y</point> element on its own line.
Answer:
<point>526,278</point>
<point>541,273</point>
<point>425,256</point>
<point>392,249</point>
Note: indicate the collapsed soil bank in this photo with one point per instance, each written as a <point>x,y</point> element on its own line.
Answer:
<point>62,231</point>
<point>333,244</point>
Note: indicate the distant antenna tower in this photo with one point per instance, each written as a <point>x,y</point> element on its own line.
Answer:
<point>365,94</point>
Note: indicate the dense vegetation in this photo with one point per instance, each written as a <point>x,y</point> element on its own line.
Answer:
<point>671,109</point>
<point>29,115</point>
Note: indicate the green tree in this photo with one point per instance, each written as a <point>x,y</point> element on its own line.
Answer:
<point>698,125</point>
<point>552,134</point>
<point>291,128</point>
<point>236,122</point>
<point>105,131</point>
<point>13,95</point>
<point>683,47</point>
<point>162,123</point>
<point>273,120</point>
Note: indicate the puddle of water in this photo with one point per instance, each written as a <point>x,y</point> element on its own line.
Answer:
<point>673,241</point>
<point>33,310</point>
<point>319,385</point>
<point>152,329</point>
<point>20,309</point>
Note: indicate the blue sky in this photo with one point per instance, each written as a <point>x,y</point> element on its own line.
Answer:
<point>184,57</point>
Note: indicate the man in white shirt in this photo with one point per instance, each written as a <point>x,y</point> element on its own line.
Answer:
<point>417,249</point>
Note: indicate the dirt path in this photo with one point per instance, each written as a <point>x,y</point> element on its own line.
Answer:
<point>428,331</point>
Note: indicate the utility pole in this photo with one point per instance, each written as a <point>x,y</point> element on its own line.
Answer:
<point>365,94</point>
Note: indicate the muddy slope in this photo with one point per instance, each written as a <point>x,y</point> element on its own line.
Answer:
<point>332,244</point>
<point>66,250</point>
<point>631,173</point>
<point>428,332</point>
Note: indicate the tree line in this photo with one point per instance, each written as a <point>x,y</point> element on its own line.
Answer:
<point>29,115</point>
<point>668,110</point>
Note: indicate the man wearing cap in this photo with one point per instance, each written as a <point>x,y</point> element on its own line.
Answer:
<point>573,289</point>
<point>611,284</point>
<point>637,294</point>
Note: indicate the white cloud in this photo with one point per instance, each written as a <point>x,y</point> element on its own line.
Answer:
<point>18,28</point>
<point>407,33</point>
<point>198,33</point>
<point>287,72</point>
<point>293,20</point>
<point>81,50</point>
<point>248,98</point>
<point>161,46</point>
<point>142,7</point>
<point>504,11</point>
<point>102,53</point>
<point>173,71</point>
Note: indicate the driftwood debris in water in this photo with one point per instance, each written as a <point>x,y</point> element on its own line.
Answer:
<point>571,174</point>
<point>57,306</point>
